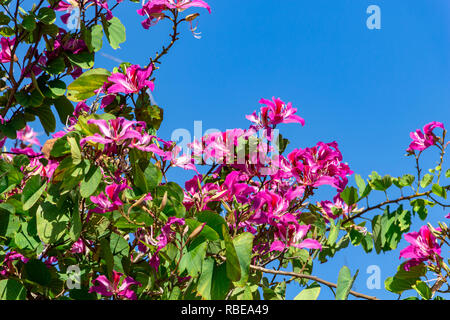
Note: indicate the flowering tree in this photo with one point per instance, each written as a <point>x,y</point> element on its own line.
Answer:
<point>90,213</point>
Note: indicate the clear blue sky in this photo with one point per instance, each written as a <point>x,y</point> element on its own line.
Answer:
<point>366,89</point>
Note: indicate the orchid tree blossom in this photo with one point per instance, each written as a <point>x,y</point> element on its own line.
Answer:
<point>423,247</point>
<point>6,52</point>
<point>117,288</point>
<point>110,200</point>
<point>424,140</point>
<point>275,112</point>
<point>114,133</point>
<point>28,136</point>
<point>153,9</point>
<point>134,80</point>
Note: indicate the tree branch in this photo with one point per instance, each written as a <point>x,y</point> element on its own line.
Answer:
<point>314,278</point>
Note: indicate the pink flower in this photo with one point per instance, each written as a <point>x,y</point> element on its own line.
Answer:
<point>115,288</point>
<point>320,165</point>
<point>110,201</point>
<point>167,233</point>
<point>185,4</point>
<point>423,247</point>
<point>153,9</point>
<point>78,247</point>
<point>114,133</point>
<point>425,139</point>
<point>8,262</point>
<point>133,81</point>
<point>291,234</point>
<point>274,113</point>
<point>27,135</point>
<point>448,216</point>
<point>5,54</point>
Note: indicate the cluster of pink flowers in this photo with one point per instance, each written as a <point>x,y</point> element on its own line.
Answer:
<point>424,140</point>
<point>110,200</point>
<point>8,262</point>
<point>423,247</point>
<point>70,5</point>
<point>153,9</point>
<point>119,287</point>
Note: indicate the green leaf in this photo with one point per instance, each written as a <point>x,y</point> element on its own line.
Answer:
<point>9,223</point>
<point>96,37</point>
<point>232,265</point>
<point>56,66</point>
<point>439,191</point>
<point>404,280</point>
<point>75,225</point>
<point>4,19</point>
<point>364,189</point>
<point>426,180</point>
<point>115,32</point>
<point>310,293</point>
<point>11,289</point>
<point>64,108</point>
<point>46,15</point>
<point>213,220</point>
<point>83,60</point>
<point>32,192</point>
<point>85,85</point>
<point>91,181</point>
<point>37,271</point>
<point>193,259</point>
<point>51,223</point>
<point>423,289</point>
<point>57,87</point>
<point>345,283</point>
<point>350,195</point>
<point>74,150</point>
<point>243,245</point>
<point>380,183</point>
<point>28,23</point>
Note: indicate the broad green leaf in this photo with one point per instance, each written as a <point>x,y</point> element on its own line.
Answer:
<point>310,293</point>
<point>426,180</point>
<point>345,283</point>
<point>85,85</point>
<point>64,108</point>
<point>11,289</point>
<point>232,265</point>
<point>439,191</point>
<point>115,32</point>
<point>423,289</point>
<point>37,271</point>
<point>350,195</point>
<point>46,15</point>
<point>243,244</point>
<point>51,222</point>
<point>91,181</point>
<point>32,192</point>
<point>404,280</point>
<point>193,259</point>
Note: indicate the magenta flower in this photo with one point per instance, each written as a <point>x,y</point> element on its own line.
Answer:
<point>448,216</point>
<point>114,133</point>
<point>28,136</point>
<point>274,113</point>
<point>153,9</point>
<point>5,54</point>
<point>135,79</point>
<point>116,288</point>
<point>423,247</point>
<point>320,165</point>
<point>78,247</point>
<point>110,201</point>
<point>167,233</point>
<point>8,262</point>
<point>425,139</point>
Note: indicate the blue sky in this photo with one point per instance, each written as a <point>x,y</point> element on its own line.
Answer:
<point>366,89</point>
